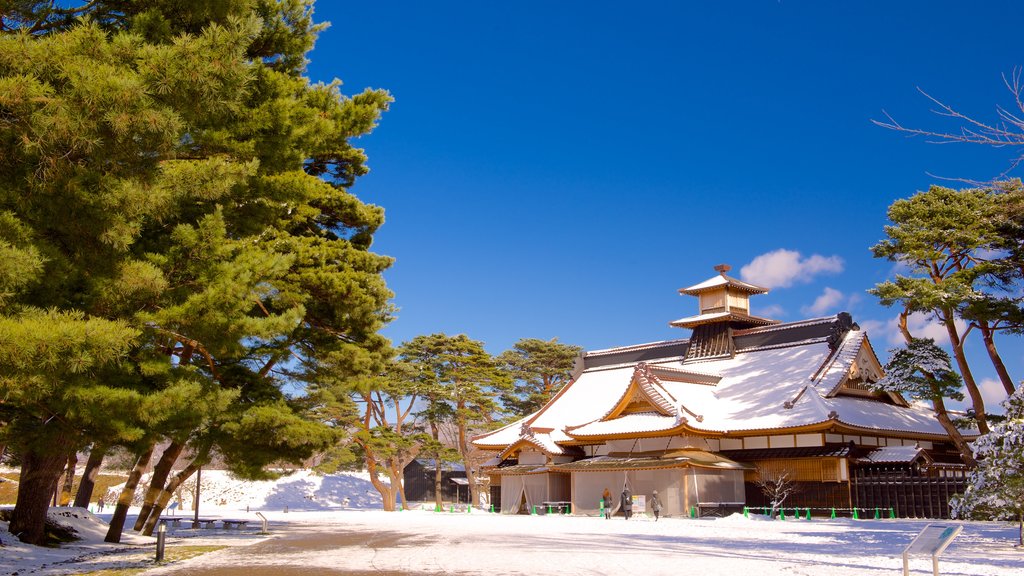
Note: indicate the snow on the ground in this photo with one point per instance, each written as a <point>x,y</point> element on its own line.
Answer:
<point>220,497</point>
<point>311,531</point>
<point>298,490</point>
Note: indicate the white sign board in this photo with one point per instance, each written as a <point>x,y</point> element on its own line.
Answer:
<point>639,503</point>
<point>932,540</point>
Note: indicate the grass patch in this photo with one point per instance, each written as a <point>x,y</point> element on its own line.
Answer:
<point>171,554</point>
<point>9,486</point>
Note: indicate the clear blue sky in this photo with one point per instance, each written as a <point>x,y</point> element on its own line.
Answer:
<point>560,169</point>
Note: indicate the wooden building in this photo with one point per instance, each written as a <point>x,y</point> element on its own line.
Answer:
<point>702,419</point>
<point>418,480</point>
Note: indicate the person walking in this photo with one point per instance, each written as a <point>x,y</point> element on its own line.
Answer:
<point>606,499</point>
<point>627,503</point>
<point>655,505</point>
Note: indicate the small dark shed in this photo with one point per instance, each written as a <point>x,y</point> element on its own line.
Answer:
<point>419,482</point>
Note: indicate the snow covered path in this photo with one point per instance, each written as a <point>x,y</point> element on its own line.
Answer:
<point>370,542</point>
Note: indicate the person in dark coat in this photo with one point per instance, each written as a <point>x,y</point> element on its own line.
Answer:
<point>627,503</point>
<point>655,505</point>
<point>606,498</point>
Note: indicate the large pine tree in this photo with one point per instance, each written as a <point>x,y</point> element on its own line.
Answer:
<point>172,184</point>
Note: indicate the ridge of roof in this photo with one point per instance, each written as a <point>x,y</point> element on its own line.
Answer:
<point>804,342</point>
<point>785,325</point>
<point>631,363</point>
<point>833,370</point>
<point>636,347</point>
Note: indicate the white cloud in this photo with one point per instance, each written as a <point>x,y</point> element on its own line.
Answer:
<point>993,393</point>
<point>925,326</point>
<point>782,268</point>
<point>829,300</point>
<point>771,311</point>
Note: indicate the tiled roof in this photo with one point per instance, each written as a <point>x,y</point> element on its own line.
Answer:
<point>782,384</point>
<point>895,455</point>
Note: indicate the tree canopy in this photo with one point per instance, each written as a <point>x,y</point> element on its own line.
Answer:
<point>539,369</point>
<point>173,188</point>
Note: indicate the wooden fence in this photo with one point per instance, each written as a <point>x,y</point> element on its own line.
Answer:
<point>911,492</point>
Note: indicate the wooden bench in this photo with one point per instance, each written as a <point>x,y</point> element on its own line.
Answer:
<point>229,524</point>
<point>204,523</point>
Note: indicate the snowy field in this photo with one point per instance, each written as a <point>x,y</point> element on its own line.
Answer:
<point>318,536</point>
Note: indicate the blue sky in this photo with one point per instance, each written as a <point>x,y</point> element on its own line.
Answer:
<point>561,169</point>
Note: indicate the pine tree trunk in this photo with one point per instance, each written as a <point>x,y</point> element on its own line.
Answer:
<point>435,433</point>
<point>40,473</point>
<point>1020,530</point>
<point>988,336</point>
<point>965,372</point>
<point>438,501</point>
<point>92,470</point>
<point>939,405</point>
<point>69,479</point>
<point>156,484</point>
<point>165,496</point>
<point>954,434</point>
<point>395,474</point>
<point>386,493</point>
<point>474,496</point>
<point>124,501</point>
<point>401,491</point>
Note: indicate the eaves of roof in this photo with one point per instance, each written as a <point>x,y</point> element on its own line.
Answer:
<point>833,450</point>
<point>692,321</point>
<point>681,459</point>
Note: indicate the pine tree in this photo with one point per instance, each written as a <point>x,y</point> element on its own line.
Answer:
<point>166,166</point>
<point>995,488</point>
<point>922,371</point>
<point>944,237</point>
<point>467,383</point>
<point>539,369</point>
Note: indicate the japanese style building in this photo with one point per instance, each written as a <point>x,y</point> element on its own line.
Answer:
<point>702,419</point>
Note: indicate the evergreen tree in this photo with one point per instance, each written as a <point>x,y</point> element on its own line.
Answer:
<point>165,165</point>
<point>539,369</point>
<point>995,488</point>
<point>466,385</point>
<point>922,371</point>
<point>944,237</point>
<point>52,365</point>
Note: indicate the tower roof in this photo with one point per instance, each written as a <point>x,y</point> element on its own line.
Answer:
<point>721,280</point>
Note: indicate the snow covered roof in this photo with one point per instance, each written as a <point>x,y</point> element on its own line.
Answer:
<point>785,379</point>
<point>720,281</point>
<point>681,458</point>
<point>895,455</point>
<point>691,321</point>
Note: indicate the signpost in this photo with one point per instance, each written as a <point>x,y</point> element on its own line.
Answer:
<point>932,541</point>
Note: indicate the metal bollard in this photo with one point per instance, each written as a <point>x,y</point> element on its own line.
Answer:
<point>161,537</point>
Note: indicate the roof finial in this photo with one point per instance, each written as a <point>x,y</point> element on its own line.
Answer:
<point>722,269</point>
